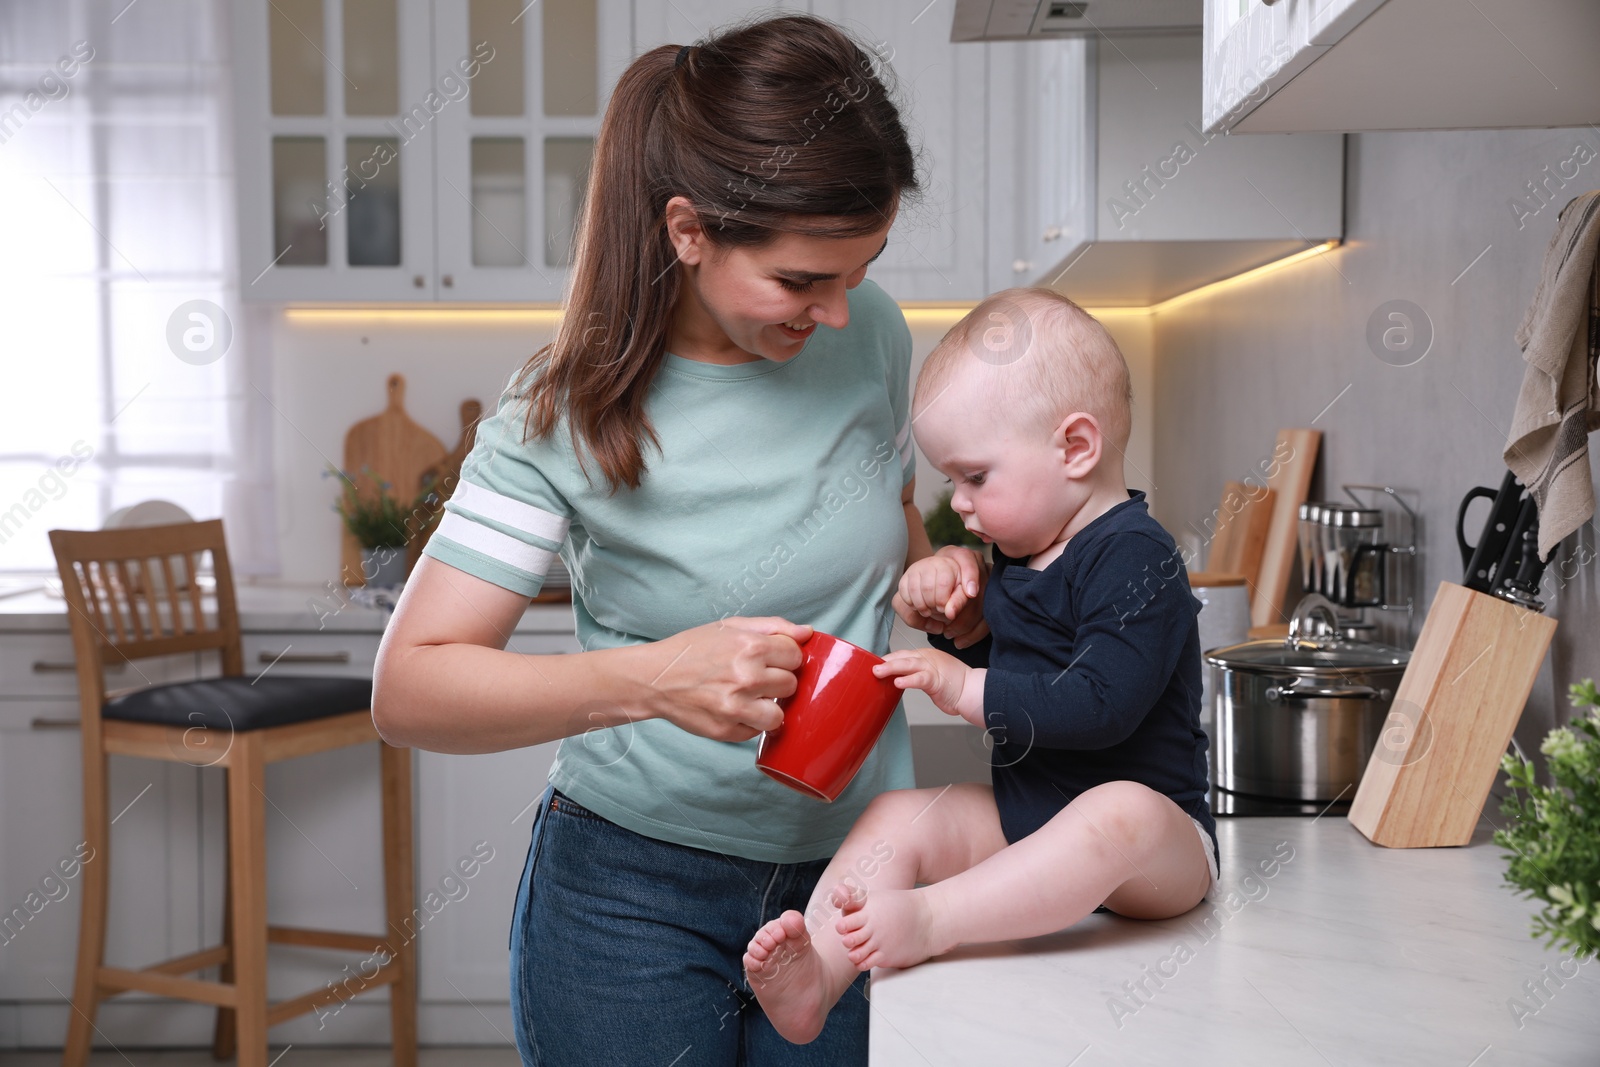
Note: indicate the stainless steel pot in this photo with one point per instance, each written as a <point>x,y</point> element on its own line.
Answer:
<point>1297,719</point>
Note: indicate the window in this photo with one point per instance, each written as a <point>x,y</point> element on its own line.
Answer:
<point>129,371</point>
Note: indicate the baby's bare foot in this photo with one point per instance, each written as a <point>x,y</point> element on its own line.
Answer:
<point>888,928</point>
<point>787,977</point>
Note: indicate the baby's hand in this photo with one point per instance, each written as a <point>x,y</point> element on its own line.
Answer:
<point>953,686</point>
<point>934,589</point>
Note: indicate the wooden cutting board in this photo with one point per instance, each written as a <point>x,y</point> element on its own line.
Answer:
<point>447,472</point>
<point>1451,718</point>
<point>388,447</point>
<point>1242,524</point>
<point>1289,478</point>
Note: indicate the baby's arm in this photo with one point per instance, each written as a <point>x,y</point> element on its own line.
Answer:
<point>956,688</point>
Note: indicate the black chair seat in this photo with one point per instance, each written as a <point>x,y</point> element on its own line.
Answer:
<point>239,704</point>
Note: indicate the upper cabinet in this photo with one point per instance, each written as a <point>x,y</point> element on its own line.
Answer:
<point>1348,65</point>
<point>1122,199</point>
<point>409,150</point>
<point>936,246</point>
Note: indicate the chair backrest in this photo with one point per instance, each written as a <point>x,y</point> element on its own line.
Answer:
<point>134,593</point>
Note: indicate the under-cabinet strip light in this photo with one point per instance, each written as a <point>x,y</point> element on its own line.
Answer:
<point>917,312</point>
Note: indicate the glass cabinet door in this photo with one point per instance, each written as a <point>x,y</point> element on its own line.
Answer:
<point>336,112</point>
<point>513,160</point>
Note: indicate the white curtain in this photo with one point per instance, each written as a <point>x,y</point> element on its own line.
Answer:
<point>119,281</point>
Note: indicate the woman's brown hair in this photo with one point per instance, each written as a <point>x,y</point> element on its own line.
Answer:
<point>781,125</point>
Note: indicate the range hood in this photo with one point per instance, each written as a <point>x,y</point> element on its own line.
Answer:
<point>1020,20</point>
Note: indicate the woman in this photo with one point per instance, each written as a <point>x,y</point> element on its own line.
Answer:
<point>718,445</point>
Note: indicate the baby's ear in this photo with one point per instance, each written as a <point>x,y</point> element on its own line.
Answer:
<point>1080,442</point>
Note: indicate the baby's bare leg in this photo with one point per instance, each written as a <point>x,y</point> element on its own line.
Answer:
<point>1120,844</point>
<point>796,964</point>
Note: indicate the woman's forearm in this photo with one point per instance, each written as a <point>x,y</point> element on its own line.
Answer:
<point>466,698</point>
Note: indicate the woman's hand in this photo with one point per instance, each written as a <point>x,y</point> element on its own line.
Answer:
<point>956,688</point>
<point>723,680</point>
<point>943,594</point>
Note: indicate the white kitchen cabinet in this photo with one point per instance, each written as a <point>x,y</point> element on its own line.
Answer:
<point>512,161</point>
<point>1349,65</point>
<point>404,150</point>
<point>481,807</point>
<point>1134,202</point>
<point>154,856</point>
<point>1040,127</point>
<point>336,107</point>
<point>936,246</point>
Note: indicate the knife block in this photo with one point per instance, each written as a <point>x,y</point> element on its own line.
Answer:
<point>1450,722</point>
<point>1451,719</point>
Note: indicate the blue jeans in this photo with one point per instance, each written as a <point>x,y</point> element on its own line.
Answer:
<point>627,950</point>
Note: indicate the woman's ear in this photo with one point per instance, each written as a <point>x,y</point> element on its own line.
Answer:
<point>684,231</point>
<point>1079,442</point>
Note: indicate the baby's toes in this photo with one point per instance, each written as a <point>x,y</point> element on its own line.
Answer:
<point>793,925</point>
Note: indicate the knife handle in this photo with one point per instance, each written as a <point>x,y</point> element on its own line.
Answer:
<point>1496,536</point>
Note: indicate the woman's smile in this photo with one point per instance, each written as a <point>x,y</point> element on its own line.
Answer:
<point>794,334</point>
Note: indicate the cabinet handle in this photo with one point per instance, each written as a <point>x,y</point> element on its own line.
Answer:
<point>1052,232</point>
<point>42,723</point>
<point>342,656</point>
<point>448,281</point>
<point>41,666</point>
<point>417,281</point>
<point>1020,266</point>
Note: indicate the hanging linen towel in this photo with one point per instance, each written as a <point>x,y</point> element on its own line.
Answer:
<point>1548,448</point>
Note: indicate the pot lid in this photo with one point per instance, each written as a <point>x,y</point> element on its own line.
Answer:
<point>1310,657</point>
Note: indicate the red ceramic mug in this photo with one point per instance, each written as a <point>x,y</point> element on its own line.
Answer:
<point>838,710</point>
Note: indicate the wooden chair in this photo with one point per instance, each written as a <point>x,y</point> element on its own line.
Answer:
<point>132,594</point>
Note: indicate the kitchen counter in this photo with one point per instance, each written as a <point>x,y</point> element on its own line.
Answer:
<point>268,608</point>
<point>1336,951</point>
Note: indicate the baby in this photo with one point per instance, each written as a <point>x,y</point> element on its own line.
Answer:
<point>1088,681</point>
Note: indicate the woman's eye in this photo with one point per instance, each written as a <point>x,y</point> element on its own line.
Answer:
<point>795,287</point>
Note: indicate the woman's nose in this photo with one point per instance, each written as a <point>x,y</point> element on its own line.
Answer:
<point>833,311</point>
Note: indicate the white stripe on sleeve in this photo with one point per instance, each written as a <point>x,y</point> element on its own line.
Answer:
<point>514,513</point>
<point>530,559</point>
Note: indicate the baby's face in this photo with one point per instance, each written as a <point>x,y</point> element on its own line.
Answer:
<point>1008,482</point>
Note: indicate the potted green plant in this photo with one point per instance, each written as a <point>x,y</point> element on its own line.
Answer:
<point>381,524</point>
<point>1553,840</point>
<point>945,527</point>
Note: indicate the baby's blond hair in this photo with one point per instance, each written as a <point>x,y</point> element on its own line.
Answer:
<point>1041,354</point>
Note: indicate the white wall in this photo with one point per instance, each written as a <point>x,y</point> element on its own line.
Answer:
<point>1233,368</point>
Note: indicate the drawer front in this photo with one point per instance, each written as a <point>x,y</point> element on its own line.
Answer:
<point>43,665</point>
<point>337,655</point>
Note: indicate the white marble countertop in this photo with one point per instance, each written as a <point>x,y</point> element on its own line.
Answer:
<point>263,608</point>
<point>1348,954</point>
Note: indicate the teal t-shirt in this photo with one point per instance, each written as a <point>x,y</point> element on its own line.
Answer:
<point>776,491</point>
